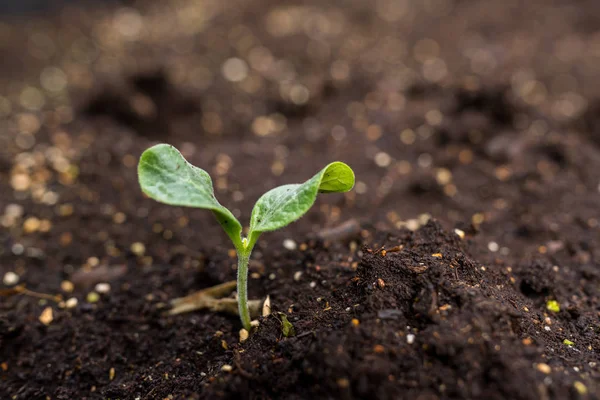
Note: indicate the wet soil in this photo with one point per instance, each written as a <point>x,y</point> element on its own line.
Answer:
<point>465,263</point>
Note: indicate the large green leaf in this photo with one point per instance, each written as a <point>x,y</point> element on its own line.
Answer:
<point>166,176</point>
<point>285,204</point>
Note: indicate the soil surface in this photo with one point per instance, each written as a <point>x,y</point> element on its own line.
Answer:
<point>465,264</point>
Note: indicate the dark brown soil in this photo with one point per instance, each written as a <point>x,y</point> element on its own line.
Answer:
<point>473,131</point>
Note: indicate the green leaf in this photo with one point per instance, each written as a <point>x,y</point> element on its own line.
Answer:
<point>286,326</point>
<point>337,177</point>
<point>553,305</point>
<point>167,177</point>
<point>285,204</point>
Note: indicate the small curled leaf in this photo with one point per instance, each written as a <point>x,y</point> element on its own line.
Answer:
<point>337,177</point>
<point>166,176</point>
<point>285,204</point>
<point>286,326</point>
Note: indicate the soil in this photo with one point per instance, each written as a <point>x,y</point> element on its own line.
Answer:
<point>464,264</point>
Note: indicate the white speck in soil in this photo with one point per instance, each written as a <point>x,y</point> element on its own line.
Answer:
<point>18,249</point>
<point>289,244</point>
<point>102,288</point>
<point>226,368</point>
<point>10,278</point>
<point>383,159</point>
<point>493,247</point>
<point>71,303</point>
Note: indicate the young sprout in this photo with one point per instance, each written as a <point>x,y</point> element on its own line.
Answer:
<point>167,177</point>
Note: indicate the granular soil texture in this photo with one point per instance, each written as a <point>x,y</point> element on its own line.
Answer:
<point>464,264</point>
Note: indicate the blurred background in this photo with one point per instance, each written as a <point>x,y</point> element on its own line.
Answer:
<point>473,112</point>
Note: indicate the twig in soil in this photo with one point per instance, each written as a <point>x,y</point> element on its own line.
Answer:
<point>238,364</point>
<point>305,334</point>
<point>341,232</point>
<point>21,289</point>
<point>394,249</point>
<point>380,251</point>
<point>434,301</point>
<point>212,299</point>
<point>418,269</point>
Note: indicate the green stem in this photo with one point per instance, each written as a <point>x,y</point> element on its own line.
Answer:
<point>242,286</point>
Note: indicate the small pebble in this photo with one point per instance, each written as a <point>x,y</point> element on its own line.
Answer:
<point>544,368</point>
<point>378,349</point>
<point>243,335</point>
<point>13,211</point>
<point>93,261</point>
<point>102,288</point>
<point>71,303</point>
<point>493,247</point>
<point>138,249</point>
<point>119,218</point>
<point>31,224</point>
<point>297,275</point>
<point>289,244</point>
<point>20,182</point>
<point>47,316</point>
<point>67,286</point>
<point>383,159</point>
<point>413,224</point>
<point>10,278</point>
<point>226,368</point>
<point>45,225</point>
<point>343,383</point>
<point>580,387</point>
<point>410,338</point>
<point>460,233</point>
<point>235,69</point>
<point>111,374</point>
<point>92,297</point>
<point>443,176</point>
<point>313,284</point>
<point>18,249</point>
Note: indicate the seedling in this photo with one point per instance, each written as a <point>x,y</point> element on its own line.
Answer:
<point>167,177</point>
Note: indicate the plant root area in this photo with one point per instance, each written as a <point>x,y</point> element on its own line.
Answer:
<point>465,264</point>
